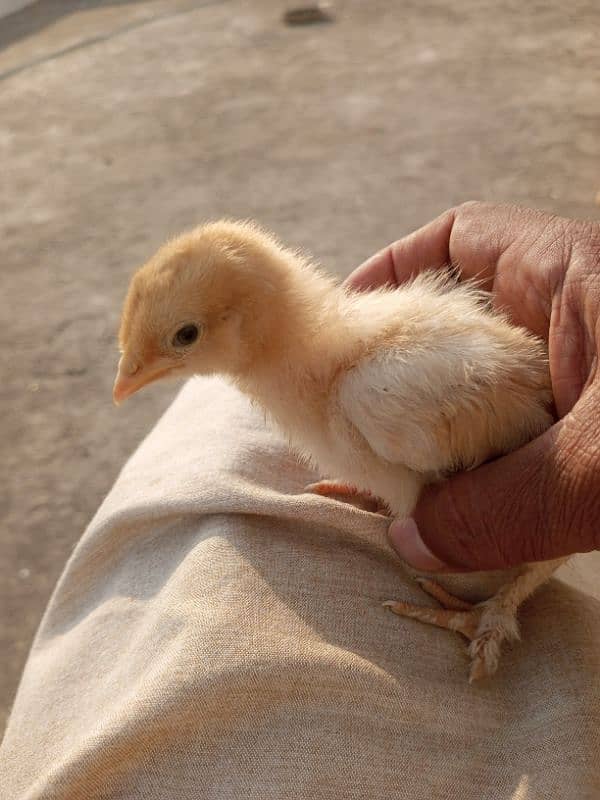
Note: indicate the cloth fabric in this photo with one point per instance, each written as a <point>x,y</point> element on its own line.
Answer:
<point>219,634</point>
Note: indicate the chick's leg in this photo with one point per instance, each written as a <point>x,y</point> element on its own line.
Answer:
<point>338,490</point>
<point>487,625</point>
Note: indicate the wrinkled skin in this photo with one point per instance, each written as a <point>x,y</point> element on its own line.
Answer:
<point>542,501</point>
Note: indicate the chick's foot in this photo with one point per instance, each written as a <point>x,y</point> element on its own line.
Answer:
<point>486,625</point>
<point>347,493</point>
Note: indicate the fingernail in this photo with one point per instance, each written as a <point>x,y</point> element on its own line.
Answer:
<point>406,540</point>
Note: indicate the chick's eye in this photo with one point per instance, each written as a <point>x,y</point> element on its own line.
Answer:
<point>185,336</point>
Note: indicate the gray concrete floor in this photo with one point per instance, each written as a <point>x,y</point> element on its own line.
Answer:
<point>122,123</point>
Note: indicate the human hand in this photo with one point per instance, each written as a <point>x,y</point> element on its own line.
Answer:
<point>543,500</point>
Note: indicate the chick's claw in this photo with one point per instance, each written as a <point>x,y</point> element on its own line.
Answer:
<point>464,622</point>
<point>347,493</point>
<point>487,625</point>
<point>443,597</point>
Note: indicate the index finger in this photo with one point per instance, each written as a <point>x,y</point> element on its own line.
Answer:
<point>426,248</point>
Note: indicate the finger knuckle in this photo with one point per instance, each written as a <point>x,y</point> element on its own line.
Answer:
<point>473,537</point>
<point>576,496</point>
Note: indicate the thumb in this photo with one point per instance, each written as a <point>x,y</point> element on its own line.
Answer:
<point>537,503</point>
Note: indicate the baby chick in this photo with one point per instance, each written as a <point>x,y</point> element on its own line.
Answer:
<point>384,391</point>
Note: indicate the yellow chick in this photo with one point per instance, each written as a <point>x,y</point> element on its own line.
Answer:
<point>384,391</point>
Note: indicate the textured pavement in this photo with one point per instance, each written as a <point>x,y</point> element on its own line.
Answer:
<point>122,123</point>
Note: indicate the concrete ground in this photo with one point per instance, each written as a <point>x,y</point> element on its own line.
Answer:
<point>125,122</point>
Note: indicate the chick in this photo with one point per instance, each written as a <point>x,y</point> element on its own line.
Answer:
<point>385,391</point>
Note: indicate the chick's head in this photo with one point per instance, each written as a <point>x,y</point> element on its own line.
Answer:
<point>199,306</point>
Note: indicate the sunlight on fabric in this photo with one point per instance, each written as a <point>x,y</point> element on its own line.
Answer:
<point>522,790</point>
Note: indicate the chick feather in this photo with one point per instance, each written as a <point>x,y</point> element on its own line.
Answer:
<point>384,392</point>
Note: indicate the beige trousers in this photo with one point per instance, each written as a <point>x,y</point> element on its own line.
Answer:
<point>219,634</point>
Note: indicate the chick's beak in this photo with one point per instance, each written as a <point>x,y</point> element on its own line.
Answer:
<point>132,377</point>
<point>126,383</point>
